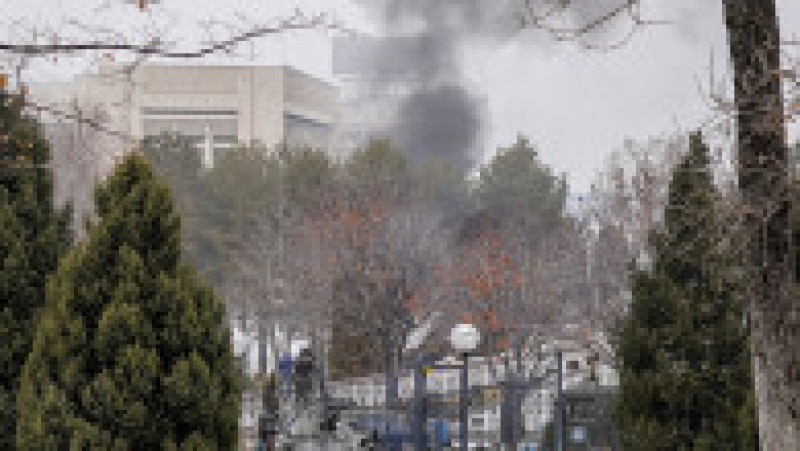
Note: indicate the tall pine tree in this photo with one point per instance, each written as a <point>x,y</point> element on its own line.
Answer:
<point>686,377</point>
<point>517,187</point>
<point>33,234</point>
<point>132,352</point>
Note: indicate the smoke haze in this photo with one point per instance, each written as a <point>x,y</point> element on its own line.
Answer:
<point>415,65</point>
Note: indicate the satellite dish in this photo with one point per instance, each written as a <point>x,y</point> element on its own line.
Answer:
<point>417,336</point>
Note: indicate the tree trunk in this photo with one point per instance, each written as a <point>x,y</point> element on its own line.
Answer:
<point>754,41</point>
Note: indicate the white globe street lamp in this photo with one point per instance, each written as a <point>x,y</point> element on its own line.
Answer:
<point>464,337</point>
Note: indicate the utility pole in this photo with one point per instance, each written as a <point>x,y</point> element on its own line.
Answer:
<point>419,407</point>
<point>322,359</point>
<point>414,340</point>
<point>391,383</point>
<point>463,403</point>
<point>560,405</point>
<point>507,413</point>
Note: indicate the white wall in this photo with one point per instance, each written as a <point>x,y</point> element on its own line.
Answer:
<point>245,343</point>
<point>259,94</point>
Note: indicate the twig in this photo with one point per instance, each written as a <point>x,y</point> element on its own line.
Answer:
<point>562,34</point>
<point>77,117</point>
<point>294,23</point>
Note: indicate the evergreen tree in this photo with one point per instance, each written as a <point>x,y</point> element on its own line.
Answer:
<point>132,351</point>
<point>206,228</point>
<point>378,174</point>
<point>308,182</point>
<point>686,381</point>
<point>521,190</point>
<point>33,234</point>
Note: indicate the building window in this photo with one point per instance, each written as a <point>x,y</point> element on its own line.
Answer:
<point>192,123</point>
<point>303,131</point>
<point>173,111</point>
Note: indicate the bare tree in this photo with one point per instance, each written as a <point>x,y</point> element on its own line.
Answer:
<point>62,45</point>
<point>580,21</point>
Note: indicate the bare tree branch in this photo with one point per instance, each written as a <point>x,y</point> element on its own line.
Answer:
<point>724,107</point>
<point>79,117</point>
<point>631,8</point>
<point>297,22</point>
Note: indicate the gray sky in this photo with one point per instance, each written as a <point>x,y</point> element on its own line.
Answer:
<point>577,106</point>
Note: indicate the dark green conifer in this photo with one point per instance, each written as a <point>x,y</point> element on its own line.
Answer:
<point>33,234</point>
<point>522,191</point>
<point>132,351</point>
<point>686,379</point>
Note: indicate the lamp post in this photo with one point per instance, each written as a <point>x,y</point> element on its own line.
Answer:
<point>560,404</point>
<point>464,338</point>
<point>414,340</point>
<point>419,406</point>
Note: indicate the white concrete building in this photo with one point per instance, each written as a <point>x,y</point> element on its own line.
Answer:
<point>211,104</point>
<point>95,118</point>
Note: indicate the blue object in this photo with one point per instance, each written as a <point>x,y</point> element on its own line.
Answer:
<point>285,364</point>
<point>442,432</point>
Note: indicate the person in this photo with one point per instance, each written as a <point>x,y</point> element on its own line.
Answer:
<point>268,423</point>
<point>285,372</point>
<point>329,424</point>
<point>371,442</point>
<point>303,376</point>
